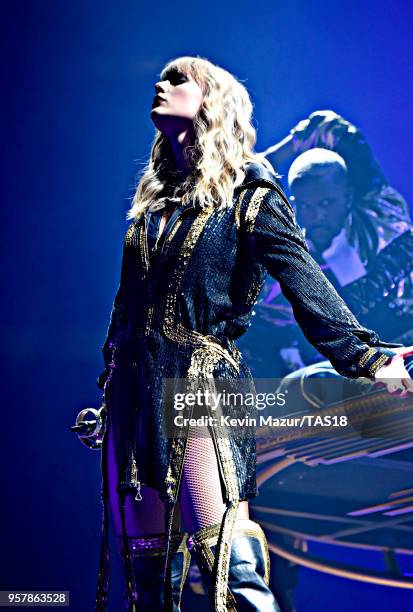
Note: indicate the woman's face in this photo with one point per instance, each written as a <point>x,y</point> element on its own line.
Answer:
<point>177,101</point>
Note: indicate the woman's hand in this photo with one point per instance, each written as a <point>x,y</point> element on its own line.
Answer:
<point>394,375</point>
<point>323,129</point>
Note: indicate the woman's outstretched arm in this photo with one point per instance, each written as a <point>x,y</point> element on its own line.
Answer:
<point>277,242</point>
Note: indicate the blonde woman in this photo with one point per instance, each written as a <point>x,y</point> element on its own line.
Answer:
<point>208,222</point>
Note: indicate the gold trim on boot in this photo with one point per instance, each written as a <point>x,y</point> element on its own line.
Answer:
<point>204,540</point>
<point>246,527</point>
<point>200,543</point>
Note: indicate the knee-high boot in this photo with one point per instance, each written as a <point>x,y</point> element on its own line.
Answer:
<point>249,566</point>
<point>147,557</point>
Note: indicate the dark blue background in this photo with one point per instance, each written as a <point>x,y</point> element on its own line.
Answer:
<point>77,89</point>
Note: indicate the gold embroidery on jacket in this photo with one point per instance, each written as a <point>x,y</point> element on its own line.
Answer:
<point>129,235</point>
<point>254,207</point>
<point>173,230</point>
<point>145,260</point>
<point>177,332</point>
<point>237,211</point>
<point>377,364</point>
<point>366,356</point>
<point>149,320</point>
<point>143,244</point>
<point>253,291</point>
<point>203,362</point>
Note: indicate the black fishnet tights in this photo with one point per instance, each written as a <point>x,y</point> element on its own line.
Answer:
<point>200,501</point>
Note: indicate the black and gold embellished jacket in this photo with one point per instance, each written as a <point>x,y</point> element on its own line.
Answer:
<point>181,304</point>
<point>192,295</point>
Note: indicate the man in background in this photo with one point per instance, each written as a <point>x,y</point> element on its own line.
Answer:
<point>357,228</point>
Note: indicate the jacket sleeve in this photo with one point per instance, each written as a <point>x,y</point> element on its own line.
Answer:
<point>119,320</point>
<point>277,242</point>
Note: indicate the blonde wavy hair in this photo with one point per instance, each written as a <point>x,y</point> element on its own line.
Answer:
<point>224,143</point>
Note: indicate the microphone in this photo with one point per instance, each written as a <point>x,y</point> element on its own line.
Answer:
<point>91,432</point>
<point>84,429</point>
